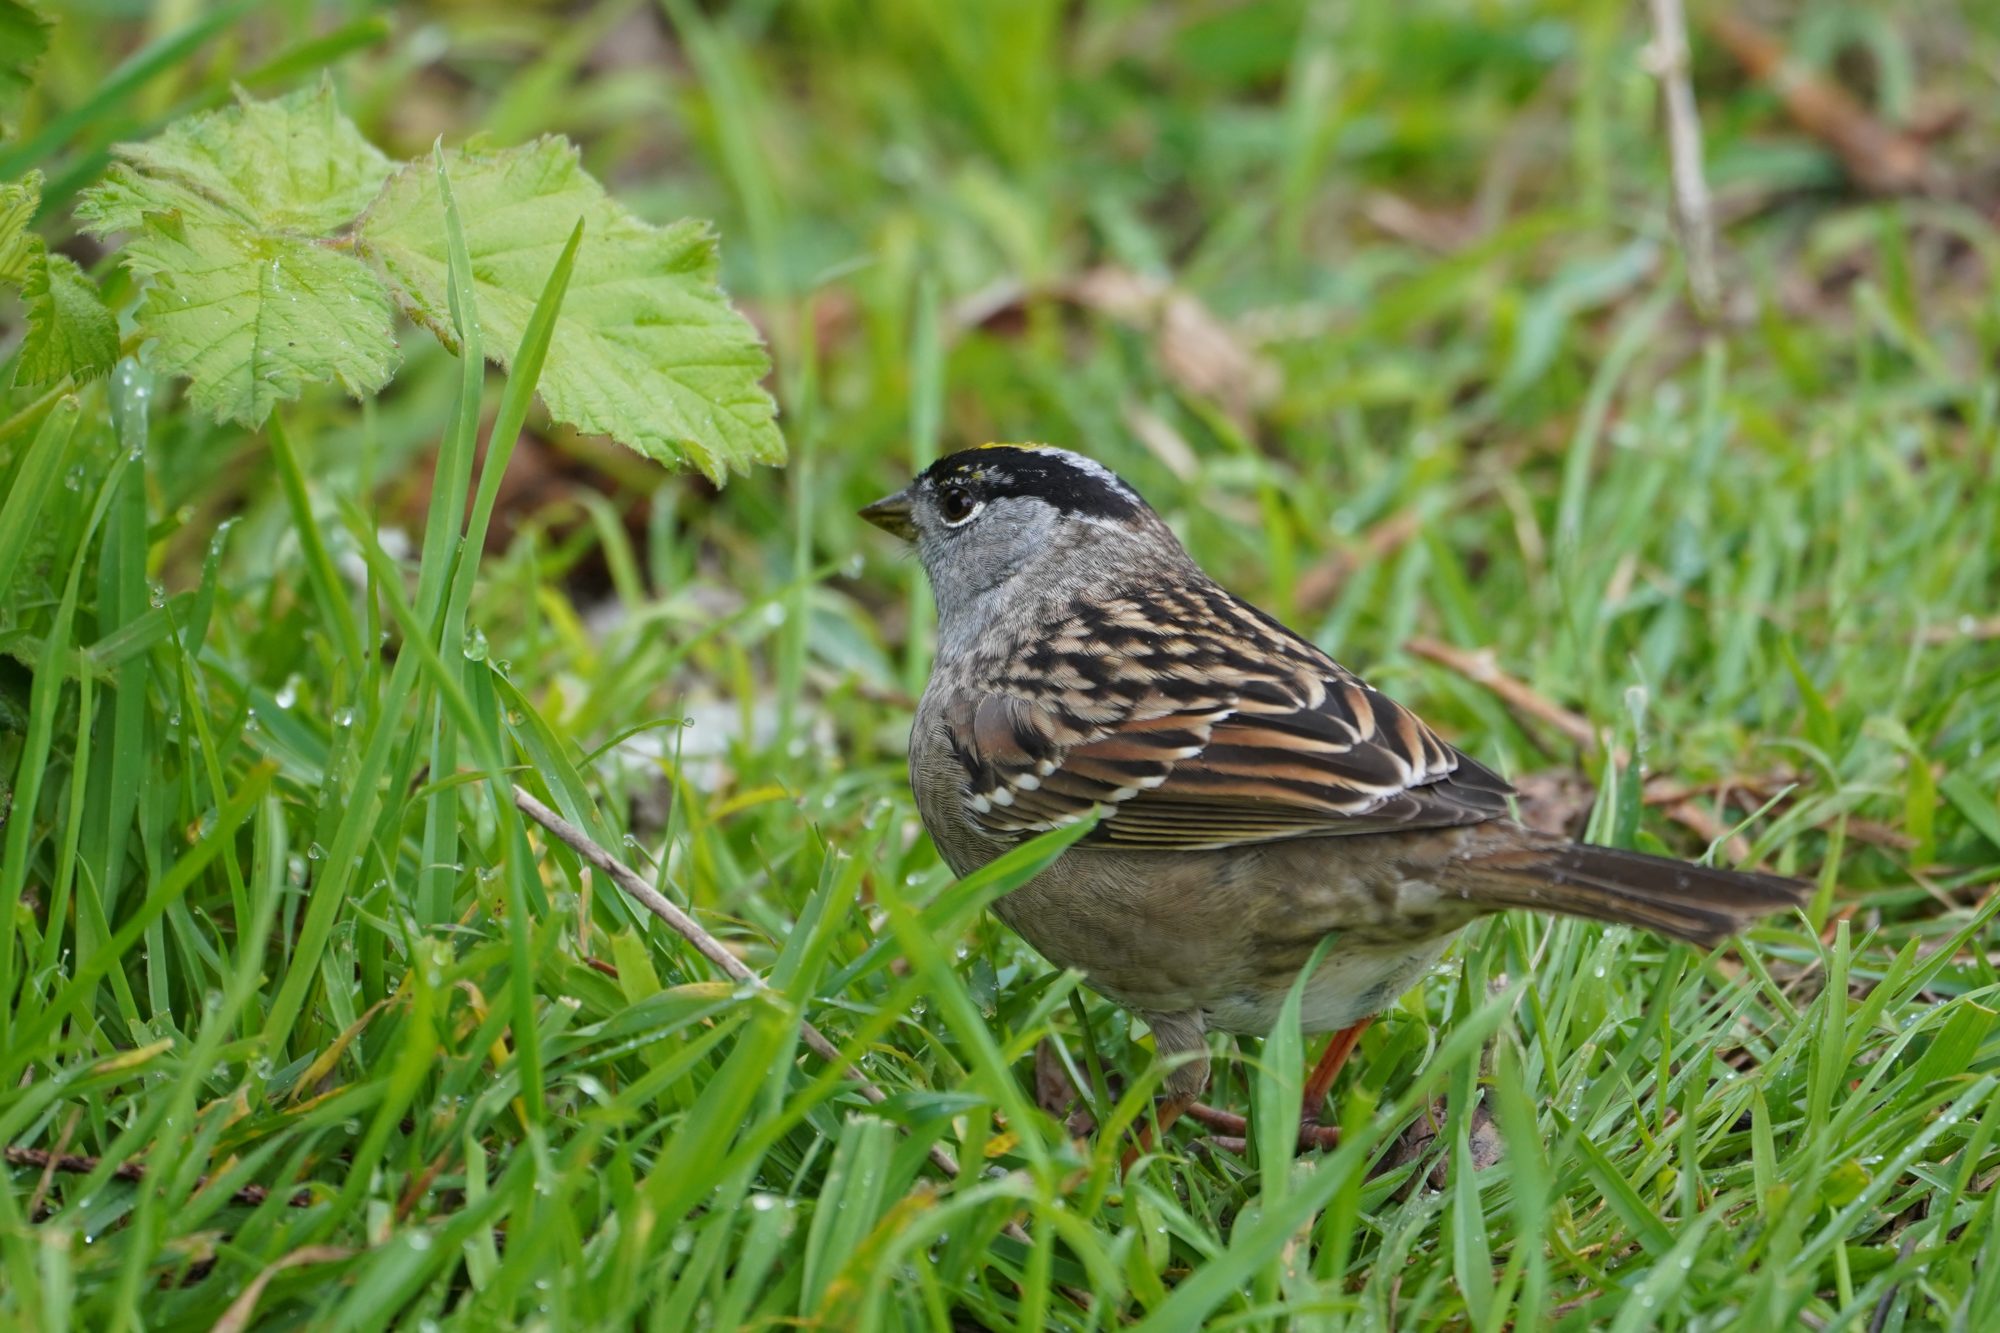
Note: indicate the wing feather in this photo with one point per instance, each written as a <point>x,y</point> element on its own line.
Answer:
<point>1195,720</point>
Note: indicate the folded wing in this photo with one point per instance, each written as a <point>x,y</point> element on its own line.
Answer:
<point>1195,721</point>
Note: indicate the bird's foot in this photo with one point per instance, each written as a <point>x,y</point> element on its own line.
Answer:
<point>1232,1131</point>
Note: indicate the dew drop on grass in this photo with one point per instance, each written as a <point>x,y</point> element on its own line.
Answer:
<point>420,1240</point>
<point>156,595</point>
<point>315,853</point>
<point>475,644</point>
<point>288,693</point>
<point>343,717</point>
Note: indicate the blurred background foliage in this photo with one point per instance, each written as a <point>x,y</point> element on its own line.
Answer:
<point>1381,307</point>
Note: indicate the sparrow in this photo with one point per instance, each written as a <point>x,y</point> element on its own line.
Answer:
<point>1254,798</point>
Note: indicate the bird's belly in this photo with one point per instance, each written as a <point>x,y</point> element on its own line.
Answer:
<point>1224,935</point>
<point>1350,985</point>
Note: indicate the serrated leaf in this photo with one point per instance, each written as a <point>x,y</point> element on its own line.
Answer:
<point>69,330</point>
<point>18,245</point>
<point>233,214</point>
<point>647,349</point>
<point>294,164</point>
<point>24,36</point>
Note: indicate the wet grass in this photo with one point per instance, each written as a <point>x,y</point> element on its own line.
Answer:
<point>1382,313</point>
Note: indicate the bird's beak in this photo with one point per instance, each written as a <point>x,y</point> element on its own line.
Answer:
<point>891,513</point>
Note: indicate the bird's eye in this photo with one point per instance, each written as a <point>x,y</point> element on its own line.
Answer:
<point>956,505</point>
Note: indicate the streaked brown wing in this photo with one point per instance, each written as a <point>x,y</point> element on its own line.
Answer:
<point>1197,721</point>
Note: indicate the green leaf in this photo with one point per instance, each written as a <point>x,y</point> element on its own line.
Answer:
<point>69,330</point>
<point>647,351</point>
<point>294,164</point>
<point>232,212</point>
<point>19,246</point>
<point>24,36</point>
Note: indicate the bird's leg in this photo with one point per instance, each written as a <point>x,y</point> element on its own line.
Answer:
<point>1234,1129</point>
<point>1173,1034</point>
<point>1165,1112</point>
<point>1222,1122</point>
<point>1313,1132</point>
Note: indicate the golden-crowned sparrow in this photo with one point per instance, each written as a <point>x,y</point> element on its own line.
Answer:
<point>1256,796</point>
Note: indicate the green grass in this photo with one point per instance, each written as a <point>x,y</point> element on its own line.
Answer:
<point>272,921</point>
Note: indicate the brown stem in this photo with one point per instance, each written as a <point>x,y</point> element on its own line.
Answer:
<point>709,947</point>
<point>78,1164</point>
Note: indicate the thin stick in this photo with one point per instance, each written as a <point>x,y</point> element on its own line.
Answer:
<point>78,1164</point>
<point>710,947</point>
<point>1694,217</point>
<point>1481,668</point>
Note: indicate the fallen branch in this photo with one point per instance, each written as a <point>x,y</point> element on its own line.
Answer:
<point>1876,157</point>
<point>709,947</point>
<point>1481,668</point>
<point>1694,220</point>
<point>77,1164</point>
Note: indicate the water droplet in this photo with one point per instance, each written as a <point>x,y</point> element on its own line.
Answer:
<point>475,644</point>
<point>343,717</point>
<point>156,595</point>
<point>288,693</point>
<point>315,853</point>
<point>420,1240</point>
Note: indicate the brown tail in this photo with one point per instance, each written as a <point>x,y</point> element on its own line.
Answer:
<point>1676,898</point>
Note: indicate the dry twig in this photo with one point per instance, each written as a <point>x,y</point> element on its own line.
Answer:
<point>1480,667</point>
<point>1876,157</point>
<point>80,1165</point>
<point>709,947</point>
<point>1694,218</point>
